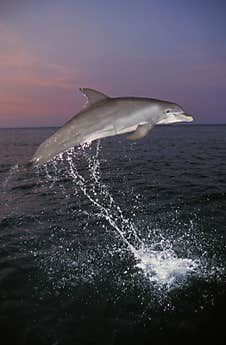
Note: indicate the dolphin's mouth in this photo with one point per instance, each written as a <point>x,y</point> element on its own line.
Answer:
<point>187,118</point>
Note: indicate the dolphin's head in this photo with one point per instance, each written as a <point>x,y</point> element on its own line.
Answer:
<point>172,112</point>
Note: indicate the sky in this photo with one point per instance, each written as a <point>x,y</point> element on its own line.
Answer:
<point>172,49</point>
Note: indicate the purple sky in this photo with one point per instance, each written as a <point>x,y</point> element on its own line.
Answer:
<point>174,50</point>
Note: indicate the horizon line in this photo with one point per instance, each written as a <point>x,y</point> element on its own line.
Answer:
<point>162,125</point>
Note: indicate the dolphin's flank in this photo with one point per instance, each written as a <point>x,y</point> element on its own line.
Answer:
<point>105,116</point>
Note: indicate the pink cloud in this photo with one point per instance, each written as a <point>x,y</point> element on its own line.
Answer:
<point>29,83</point>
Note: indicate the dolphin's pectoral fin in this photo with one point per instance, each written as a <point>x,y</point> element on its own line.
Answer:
<point>93,96</point>
<point>141,131</point>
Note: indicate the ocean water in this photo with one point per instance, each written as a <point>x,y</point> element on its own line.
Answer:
<point>115,243</point>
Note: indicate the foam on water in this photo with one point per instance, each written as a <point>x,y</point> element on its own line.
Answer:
<point>165,267</point>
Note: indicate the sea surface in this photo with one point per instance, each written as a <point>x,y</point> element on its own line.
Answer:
<point>115,243</point>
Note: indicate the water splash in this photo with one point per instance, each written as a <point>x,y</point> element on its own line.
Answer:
<point>165,267</point>
<point>160,263</point>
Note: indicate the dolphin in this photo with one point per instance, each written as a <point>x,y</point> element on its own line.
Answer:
<point>104,116</point>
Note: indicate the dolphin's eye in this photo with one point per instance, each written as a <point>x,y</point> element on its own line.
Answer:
<point>167,111</point>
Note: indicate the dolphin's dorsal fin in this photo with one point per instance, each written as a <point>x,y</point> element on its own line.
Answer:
<point>93,96</point>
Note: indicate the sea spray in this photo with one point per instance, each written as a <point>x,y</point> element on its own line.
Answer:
<point>160,264</point>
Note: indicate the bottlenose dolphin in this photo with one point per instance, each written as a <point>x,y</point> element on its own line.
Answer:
<point>105,116</point>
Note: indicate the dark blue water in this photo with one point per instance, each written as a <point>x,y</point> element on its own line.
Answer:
<point>118,243</point>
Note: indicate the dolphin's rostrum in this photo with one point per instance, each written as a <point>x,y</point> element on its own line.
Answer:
<point>105,116</point>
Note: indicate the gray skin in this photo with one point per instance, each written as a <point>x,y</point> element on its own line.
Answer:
<point>104,117</point>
